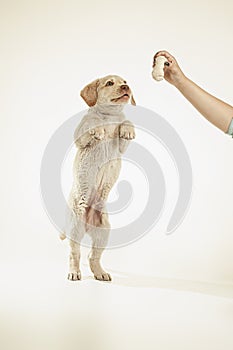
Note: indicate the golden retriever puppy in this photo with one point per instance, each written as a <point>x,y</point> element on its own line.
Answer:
<point>101,137</point>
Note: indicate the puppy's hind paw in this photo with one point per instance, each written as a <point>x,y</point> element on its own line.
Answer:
<point>103,277</point>
<point>74,276</point>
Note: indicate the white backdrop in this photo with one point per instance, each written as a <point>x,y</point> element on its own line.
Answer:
<point>49,51</point>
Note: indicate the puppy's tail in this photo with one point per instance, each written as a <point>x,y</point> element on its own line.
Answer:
<point>62,236</point>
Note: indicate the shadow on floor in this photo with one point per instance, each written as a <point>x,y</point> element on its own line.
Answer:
<point>143,281</point>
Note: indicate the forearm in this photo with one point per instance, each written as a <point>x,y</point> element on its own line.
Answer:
<point>214,110</point>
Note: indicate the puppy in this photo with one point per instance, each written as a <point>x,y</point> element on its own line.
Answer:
<point>101,137</point>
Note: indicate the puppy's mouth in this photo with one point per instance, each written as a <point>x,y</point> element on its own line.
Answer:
<point>124,97</point>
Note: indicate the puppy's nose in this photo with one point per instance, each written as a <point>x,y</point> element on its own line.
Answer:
<point>124,87</point>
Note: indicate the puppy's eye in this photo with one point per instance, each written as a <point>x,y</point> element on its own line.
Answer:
<point>109,83</point>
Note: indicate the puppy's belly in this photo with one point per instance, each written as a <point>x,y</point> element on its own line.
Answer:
<point>95,173</point>
<point>105,179</point>
<point>101,182</point>
<point>108,174</point>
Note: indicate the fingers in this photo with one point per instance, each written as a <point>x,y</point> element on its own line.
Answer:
<point>166,54</point>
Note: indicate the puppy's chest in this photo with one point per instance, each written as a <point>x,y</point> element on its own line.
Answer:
<point>111,125</point>
<point>111,130</point>
<point>107,148</point>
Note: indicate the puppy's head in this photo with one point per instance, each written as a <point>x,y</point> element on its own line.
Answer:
<point>110,90</point>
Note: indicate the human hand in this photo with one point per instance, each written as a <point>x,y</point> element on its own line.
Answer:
<point>172,72</point>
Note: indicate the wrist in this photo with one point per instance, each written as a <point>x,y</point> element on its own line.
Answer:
<point>181,82</point>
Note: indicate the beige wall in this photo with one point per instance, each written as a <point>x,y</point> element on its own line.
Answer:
<point>49,50</point>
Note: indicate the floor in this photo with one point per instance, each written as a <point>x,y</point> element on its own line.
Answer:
<point>42,310</point>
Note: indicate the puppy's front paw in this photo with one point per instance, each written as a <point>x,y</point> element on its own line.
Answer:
<point>98,133</point>
<point>74,276</point>
<point>127,131</point>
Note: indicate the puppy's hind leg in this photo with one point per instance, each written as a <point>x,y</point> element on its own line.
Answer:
<point>74,261</point>
<point>74,232</point>
<point>99,236</point>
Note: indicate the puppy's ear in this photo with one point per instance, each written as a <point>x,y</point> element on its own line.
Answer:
<point>89,93</point>
<point>132,101</point>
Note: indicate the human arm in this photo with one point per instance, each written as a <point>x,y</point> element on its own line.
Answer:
<point>213,109</point>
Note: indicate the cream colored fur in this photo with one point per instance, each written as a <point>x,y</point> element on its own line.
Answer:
<point>101,137</point>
